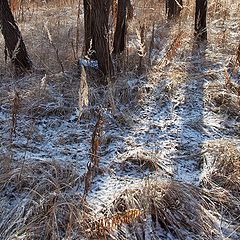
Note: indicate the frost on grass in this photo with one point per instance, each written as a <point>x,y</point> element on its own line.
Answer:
<point>169,206</point>
<point>40,200</point>
<point>166,124</point>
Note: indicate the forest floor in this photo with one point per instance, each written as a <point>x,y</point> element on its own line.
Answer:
<point>169,136</point>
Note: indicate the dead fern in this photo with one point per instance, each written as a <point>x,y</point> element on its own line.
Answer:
<point>106,225</point>
<point>172,49</point>
<point>179,208</point>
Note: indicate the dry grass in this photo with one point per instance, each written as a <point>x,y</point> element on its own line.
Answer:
<point>47,204</point>
<point>40,95</point>
<point>223,98</point>
<point>177,207</point>
<point>222,178</point>
<point>46,195</point>
<point>143,160</point>
<point>223,166</point>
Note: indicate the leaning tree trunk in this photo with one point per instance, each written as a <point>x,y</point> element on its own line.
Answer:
<point>173,8</point>
<point>13,40</point>
<point>201,20</point>
<point>100,15</point>
<point>120,31</point>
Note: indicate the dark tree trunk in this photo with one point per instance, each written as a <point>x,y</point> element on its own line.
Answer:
<point>13,40</point>
<point>120,31</point>
<point>173,8</point>
<point>88,28</point>
<point>201,20</point>
<point>100,15</point>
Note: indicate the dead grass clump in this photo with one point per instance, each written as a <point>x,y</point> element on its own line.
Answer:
<point>178,208</point>
<point>227,204</point>
<point>39,176</point>
<point>144,162</point>
<point>222,99</point>
<point>223,166</point>
<point>41,202</point>
<point>123,92</point>
<point>49,95</point>
<point>54,216</point>
<point>222,179</point>
<point>143,159</point>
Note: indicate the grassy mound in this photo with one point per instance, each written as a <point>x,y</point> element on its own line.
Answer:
<point>179,208</point>
<point>40,201</point>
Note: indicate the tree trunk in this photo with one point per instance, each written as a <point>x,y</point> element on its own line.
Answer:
<point>13,40</point>
<point>100,15</point>
<point>173,8</point>
<point>88,28</point>
<point>120,31</point>
<point>201,20</point>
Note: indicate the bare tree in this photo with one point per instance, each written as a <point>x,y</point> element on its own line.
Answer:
<point>173,8</point>
<point>201,20</point>
<point>14,44</point>
<point>120,31</point>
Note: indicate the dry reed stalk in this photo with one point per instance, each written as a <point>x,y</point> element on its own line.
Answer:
<point>130,10</point>
<point>142,48</point>
<point>96,139</point>
<point>238,54</point>
<point>93,165</point>
<point>15,110</point>
<point>228,82</point>
<point>54,47</point>
<point>151,45</point>
<point>114,12</point>
<point>83,98</point>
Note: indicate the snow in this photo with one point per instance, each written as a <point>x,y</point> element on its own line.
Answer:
<point>169,125</point>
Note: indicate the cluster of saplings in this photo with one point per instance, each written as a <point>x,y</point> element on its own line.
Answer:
<point>96,27</point>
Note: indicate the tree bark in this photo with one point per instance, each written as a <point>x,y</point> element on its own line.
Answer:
<point>173,8</point>
<point>100,15</point>
<point>201,20</point>
<point>88,28</point>
<point>13,40</point>
<point>120,31</point>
